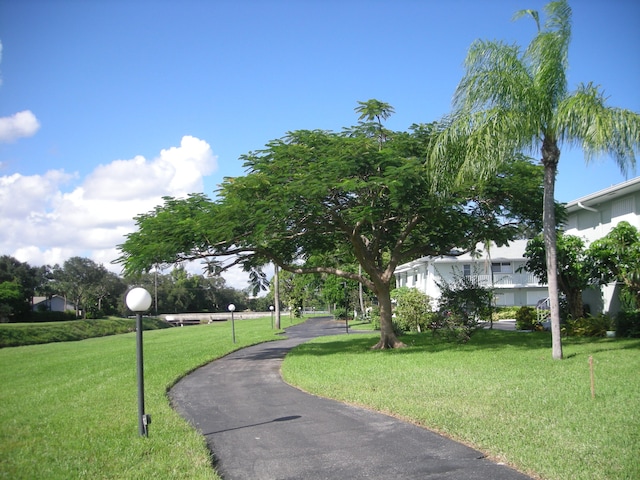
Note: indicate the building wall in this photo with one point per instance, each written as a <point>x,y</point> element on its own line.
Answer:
<point>591,217</point>
<point>595,216</point>
<point>594,225</point>
<point>55,304</point>
<point>511,287</point>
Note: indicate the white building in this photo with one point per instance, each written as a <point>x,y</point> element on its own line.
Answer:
<point>589,217</point>
<point>594,216</point>
<point>56,303</point>
<point>496,267</point>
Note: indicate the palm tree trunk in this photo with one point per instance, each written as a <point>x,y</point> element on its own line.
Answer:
<point>550,158</point>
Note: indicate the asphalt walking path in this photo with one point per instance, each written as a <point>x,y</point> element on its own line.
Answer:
<point>259,427</point>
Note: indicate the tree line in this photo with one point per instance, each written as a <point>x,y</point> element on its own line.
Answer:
<point>95,292</point>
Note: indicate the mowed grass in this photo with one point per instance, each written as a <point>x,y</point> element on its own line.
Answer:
<point>500,393</point>
<point>69,410</point>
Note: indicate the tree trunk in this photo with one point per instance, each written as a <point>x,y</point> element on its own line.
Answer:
<point>574,301</point>
<point>550,158</point>
<point>388,338</point>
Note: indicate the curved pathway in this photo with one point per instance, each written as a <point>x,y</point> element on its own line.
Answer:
<point>258,427</point>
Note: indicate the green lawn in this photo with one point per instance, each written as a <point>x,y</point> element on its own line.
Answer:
<point>501,393</point>
<point>69,409</point>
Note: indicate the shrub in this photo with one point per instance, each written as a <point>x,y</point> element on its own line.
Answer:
<point>526,319</point>
<point>412,309</point>
<point>587,326</point>
<point>628,323</point>
<point>504,313</point>
<point>466,298</point>
<point>49,316</point>
<point>374,317</point>
<point>340,313</point>
<point>457,328</point>
<point>95,314</point>
<point>463,303</point>
<point>451,326</point>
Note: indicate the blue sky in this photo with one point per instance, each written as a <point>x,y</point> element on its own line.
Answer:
<point>106,106</point>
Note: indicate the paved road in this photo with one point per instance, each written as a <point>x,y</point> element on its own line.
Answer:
<point>501,325</point>
<point>258,427</point>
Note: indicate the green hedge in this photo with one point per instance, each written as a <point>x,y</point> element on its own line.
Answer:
<point>628,324</point>
<point>17,334</point>
<point>504,313</point>
<point>48,316</point>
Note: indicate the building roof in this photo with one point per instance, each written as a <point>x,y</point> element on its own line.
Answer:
<point>37,300</point>
<point>513,251</point>
<point>611,193</point>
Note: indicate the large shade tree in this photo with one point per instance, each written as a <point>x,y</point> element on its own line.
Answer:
<point>79,279</point>
<point>315,200</point>
<point>18,282</point>
<point>513,100</point>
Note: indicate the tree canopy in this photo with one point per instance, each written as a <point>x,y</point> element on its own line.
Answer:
<point>338,198</point>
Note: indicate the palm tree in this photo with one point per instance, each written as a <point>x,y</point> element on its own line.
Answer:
<point>510,101</point>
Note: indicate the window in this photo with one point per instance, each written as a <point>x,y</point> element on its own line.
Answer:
<point>501,267</point>
<point>466,270</point>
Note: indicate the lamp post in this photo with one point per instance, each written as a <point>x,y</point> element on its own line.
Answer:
<point>272,308</point>
<point>232,309</point>
<point>139,300</point>
<point>346,307</point>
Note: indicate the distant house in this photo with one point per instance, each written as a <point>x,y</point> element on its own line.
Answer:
<point>589,217</point>
<point>54,304</point>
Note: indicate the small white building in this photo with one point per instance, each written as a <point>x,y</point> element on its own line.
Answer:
<point>56,303</point>
<point>590,217</point>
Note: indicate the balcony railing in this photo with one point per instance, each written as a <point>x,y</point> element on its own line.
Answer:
<point>500,280</point>
<point>508,280</point>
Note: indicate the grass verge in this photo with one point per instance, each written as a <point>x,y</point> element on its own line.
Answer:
<point>19,334</point>
<point>69,409</point>
<point>501,393</point>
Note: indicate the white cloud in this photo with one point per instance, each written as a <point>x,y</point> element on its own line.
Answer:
<point>176,172</point>
<point>44,223</point>
<point>18,125</point>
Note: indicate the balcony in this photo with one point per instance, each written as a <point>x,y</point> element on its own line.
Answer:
<point>508,280</point>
